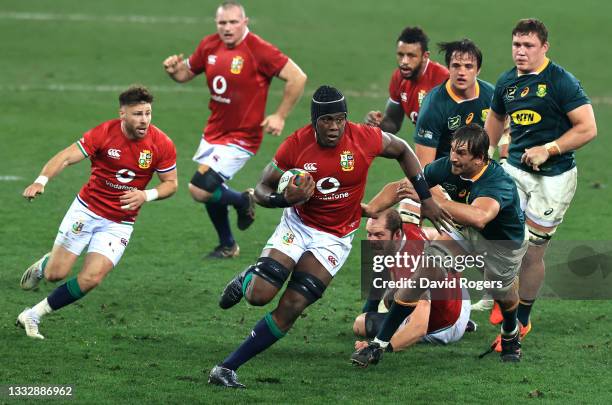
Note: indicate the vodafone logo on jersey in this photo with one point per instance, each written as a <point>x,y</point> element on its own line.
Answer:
<point>114,153</point>
<point>310,167</point>
<point>125,175</point>
<point>328,185</point>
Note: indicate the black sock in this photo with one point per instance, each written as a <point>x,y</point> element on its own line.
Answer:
<point>509,323</point>
<point>229,196</point>
<point>395,317</point>
<point>264,334</point>
<point>370,306</point>
<point>218,214</point>
<point>524,310</point>
<point>65,294</point>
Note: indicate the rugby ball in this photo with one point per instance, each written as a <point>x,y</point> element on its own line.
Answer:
<point>295,175</point>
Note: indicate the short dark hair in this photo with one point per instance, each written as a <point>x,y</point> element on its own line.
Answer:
<point>135,94</point>
<point>393,220</point>
<point>475,138</point>
<point>232,3</point>
<point>465,45</point>
<point>527,26</point>
<point>412,35</point>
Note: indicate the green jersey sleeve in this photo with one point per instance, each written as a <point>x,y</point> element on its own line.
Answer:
<point>428,131</point>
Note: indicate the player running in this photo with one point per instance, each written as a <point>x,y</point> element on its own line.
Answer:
<point>124,155</point>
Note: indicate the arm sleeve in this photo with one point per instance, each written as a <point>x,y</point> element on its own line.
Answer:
<point>283,158</point>
<point>90,141</point>
<point>167,161</point>
<point>197,60</point>
<point>394,87</point>
<point>497,103</point>
<point>571,94</point>
<point>427,130</point>
<point>270,59</point>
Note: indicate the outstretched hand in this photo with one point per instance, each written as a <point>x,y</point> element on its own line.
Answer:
<point>373,118</point>
<point>172,63</point>
<point>273,124</point>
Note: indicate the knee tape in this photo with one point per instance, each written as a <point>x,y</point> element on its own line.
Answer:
<point>209,181</point>
<point>373,323</point>
<point>538,237</point>
<point>271,271</point>
<point>308,285</point>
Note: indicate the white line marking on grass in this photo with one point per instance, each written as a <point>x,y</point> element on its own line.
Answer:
<point>142,19</point>
<point>113,88</point>
<point>10,178</point>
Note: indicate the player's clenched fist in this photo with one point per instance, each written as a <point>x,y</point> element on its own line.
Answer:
<point>374,118</point>
<point>173,63</point>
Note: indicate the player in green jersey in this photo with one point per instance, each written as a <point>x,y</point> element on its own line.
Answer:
<point>551,117</point>
<point>484,199</point>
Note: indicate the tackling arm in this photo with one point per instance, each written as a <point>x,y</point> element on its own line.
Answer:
<point>477,215</point>
<point>54,166</point>
<point>295,80</point>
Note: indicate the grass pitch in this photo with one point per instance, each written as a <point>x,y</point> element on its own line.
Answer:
<point>153,330</point>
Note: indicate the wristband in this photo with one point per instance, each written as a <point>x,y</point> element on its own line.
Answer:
<point>42,180</point>
<point>551,146</point>
<point>278,200</point>
<point>421,187</point>
<point>151,194</point>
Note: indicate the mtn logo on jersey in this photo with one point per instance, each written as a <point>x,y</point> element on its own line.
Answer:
<point>347,161</point>
<point>145,159</point>
<point>237,64</point>
<point>114,153</point>
<point>421,95</point>
<point>454,122</point>
<point>541,90</point>
<point>310,167</point>
<point>526,117</point>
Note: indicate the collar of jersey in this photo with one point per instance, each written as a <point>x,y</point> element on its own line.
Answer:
<point>477,176</point>
<point>537,71</point>
<point>458,99</point>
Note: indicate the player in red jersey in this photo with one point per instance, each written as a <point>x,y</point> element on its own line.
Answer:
<point>411,81</point>
<point>442,319</point>
<point>321,214</point>
<point>239,67</point>
<point>124,155</point>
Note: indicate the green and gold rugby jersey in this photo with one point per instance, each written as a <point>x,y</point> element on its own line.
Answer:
<point>537,104</point>
<point>493,182</point>
<point>443,112</point>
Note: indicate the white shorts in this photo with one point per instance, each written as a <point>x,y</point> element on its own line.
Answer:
<point>226,160</point>
<point>293,238</point>
<point>81,227</point>
<point>452,333</point>
<point>545,199</point>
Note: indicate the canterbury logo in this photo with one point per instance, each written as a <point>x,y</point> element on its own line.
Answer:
<point>114,153</point>
<point>310,167</point>
<point>526,117</point>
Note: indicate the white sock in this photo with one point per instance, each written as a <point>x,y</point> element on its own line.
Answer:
<point>510,334</point>
<point>381,343</point>
<point>42,308</point>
